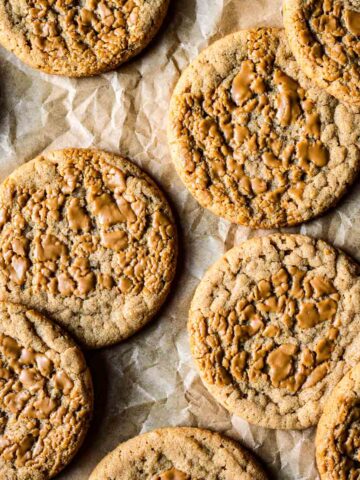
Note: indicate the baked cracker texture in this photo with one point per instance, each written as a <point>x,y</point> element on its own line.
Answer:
<point>254,140</point>
<point>87,238</point>
<point>338,435</point>
<point>274,326</point>
<point>46,395</point>
<point>179,454</point>
<point>78,39</point>
<point>324,36</point>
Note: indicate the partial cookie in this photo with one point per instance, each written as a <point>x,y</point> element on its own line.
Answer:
<point>254,140</point>
<point>78,39</point>
<point>325,36</point>
<point>274,324</point>
<point>178,454</point>
<point>46,395</point>
<point>89,239</point>
<point>338,434</point>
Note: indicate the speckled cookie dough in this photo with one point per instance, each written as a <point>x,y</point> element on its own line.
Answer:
<point>338,434</point>
<point>274,325</point>
<point>79,38</point>
<point>87,238</point>
<point>179,454</point>
<point>254,140</point>
<point>45,396</point>
<point>325,38</point>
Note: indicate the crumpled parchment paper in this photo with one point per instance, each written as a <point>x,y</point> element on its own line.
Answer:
<point>150,381</point>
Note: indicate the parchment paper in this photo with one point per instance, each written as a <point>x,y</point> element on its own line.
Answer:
<point>150,381</point>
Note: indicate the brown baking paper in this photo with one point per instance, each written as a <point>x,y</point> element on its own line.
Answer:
<point>150,381</point>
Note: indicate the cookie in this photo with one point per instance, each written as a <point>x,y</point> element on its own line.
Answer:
<point>178,454</point>
<point>273,327</point>
<point>324,36</point>
<point>88,239</point>
<point>79,39</point>
<point>338,436</point>
<point>254,140</point>
<point>46,395</point>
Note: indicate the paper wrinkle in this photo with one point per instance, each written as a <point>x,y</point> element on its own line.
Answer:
<point>150,380</point>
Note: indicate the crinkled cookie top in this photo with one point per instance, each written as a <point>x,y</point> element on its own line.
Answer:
<point>325,38</point>
<point>88,238</point>
<point>78,38</point>
<point>179,454</point>
<point>274,325</point>
<point>338,433</point>
<point>254,140</point>
<point>45,396</point>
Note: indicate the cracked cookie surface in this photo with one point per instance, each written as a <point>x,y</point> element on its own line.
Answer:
<point>46,395</point>
<point>338,432</point>
<point>79,38</point>
<point>89,239</point>
<point>325,38</point>
<point>179,454</point>
<point>273,327</point>
<point>254,140</point>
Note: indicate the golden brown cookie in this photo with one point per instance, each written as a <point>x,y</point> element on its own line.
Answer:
<point>338,435</point>
<point>273,327</point>
<point>324,36</point>
<point>46,395</point>
<point>254,140</point>
<point>179,454</point>
<point>78,39</point>
<point>89,239</point>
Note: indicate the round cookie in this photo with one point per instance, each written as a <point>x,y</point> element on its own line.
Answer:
<point>179,454</point>
<point>46,395</point>
<point>79,39</point>
<point>87,238</point>
<point>338,435</point>
<point>273,327</point>
<point>324,36</point>
<point>254,140</point>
